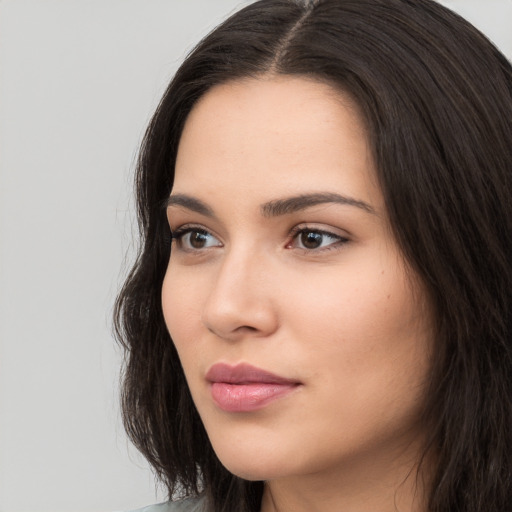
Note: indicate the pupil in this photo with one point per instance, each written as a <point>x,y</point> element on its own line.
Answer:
<point>197,240</point>
<point>311,240</point>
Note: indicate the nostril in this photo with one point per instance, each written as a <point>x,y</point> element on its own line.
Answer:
<point>247,328</point>
<point>242,328</point>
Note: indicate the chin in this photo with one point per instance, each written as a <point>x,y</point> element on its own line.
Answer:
<point>253,467</point>
<point>252,473</point>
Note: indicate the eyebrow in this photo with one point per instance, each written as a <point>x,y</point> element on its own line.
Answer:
<point>303,201</point>
<point>275,207</point>
<point>190,203</point>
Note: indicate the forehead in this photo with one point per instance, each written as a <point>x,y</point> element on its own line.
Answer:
<point>281,132</point>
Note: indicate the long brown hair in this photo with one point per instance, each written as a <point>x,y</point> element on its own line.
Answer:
<point>436,96</point>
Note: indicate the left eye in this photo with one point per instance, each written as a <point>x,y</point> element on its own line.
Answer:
<point>311,239</point>
<point>194,239</point>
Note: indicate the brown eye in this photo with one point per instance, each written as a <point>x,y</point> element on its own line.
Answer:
<point>311,239</point>
<point>314,239</point>
<point>195,239</point>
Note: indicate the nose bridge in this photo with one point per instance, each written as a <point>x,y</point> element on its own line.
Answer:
<point>240,299</point>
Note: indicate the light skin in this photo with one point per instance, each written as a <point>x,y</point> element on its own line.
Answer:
<point>283,258</point>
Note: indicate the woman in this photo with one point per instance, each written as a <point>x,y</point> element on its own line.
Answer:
<point>319,317</point>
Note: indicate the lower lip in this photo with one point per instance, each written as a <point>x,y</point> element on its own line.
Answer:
<point>248,397</point>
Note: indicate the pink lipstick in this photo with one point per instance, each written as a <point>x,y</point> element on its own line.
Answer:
<point>245,388</point>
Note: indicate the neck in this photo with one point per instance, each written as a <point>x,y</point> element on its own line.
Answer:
<point>373,485</point>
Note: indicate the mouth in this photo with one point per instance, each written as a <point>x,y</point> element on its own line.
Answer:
<point>245,388</point>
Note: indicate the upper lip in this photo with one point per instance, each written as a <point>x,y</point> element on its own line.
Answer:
<point>244,374</point>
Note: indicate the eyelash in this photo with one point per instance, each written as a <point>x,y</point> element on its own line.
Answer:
<point>179,234</point>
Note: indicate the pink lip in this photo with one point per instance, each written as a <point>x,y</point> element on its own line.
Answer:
<point>245,388</point>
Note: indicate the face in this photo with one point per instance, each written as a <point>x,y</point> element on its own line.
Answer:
<point>302,333</point>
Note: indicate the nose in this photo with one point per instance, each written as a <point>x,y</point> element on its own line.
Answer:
<point>241,302</point>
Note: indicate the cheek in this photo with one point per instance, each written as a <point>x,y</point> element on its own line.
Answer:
<point>180,301</point>
<point>366,330</point>
<point>362,301</point>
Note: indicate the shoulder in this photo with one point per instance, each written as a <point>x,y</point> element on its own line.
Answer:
<point>185,505</point>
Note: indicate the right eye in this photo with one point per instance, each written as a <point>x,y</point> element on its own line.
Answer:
<point>194,239</point>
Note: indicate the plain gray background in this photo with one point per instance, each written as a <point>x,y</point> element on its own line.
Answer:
<point>78,82</point>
